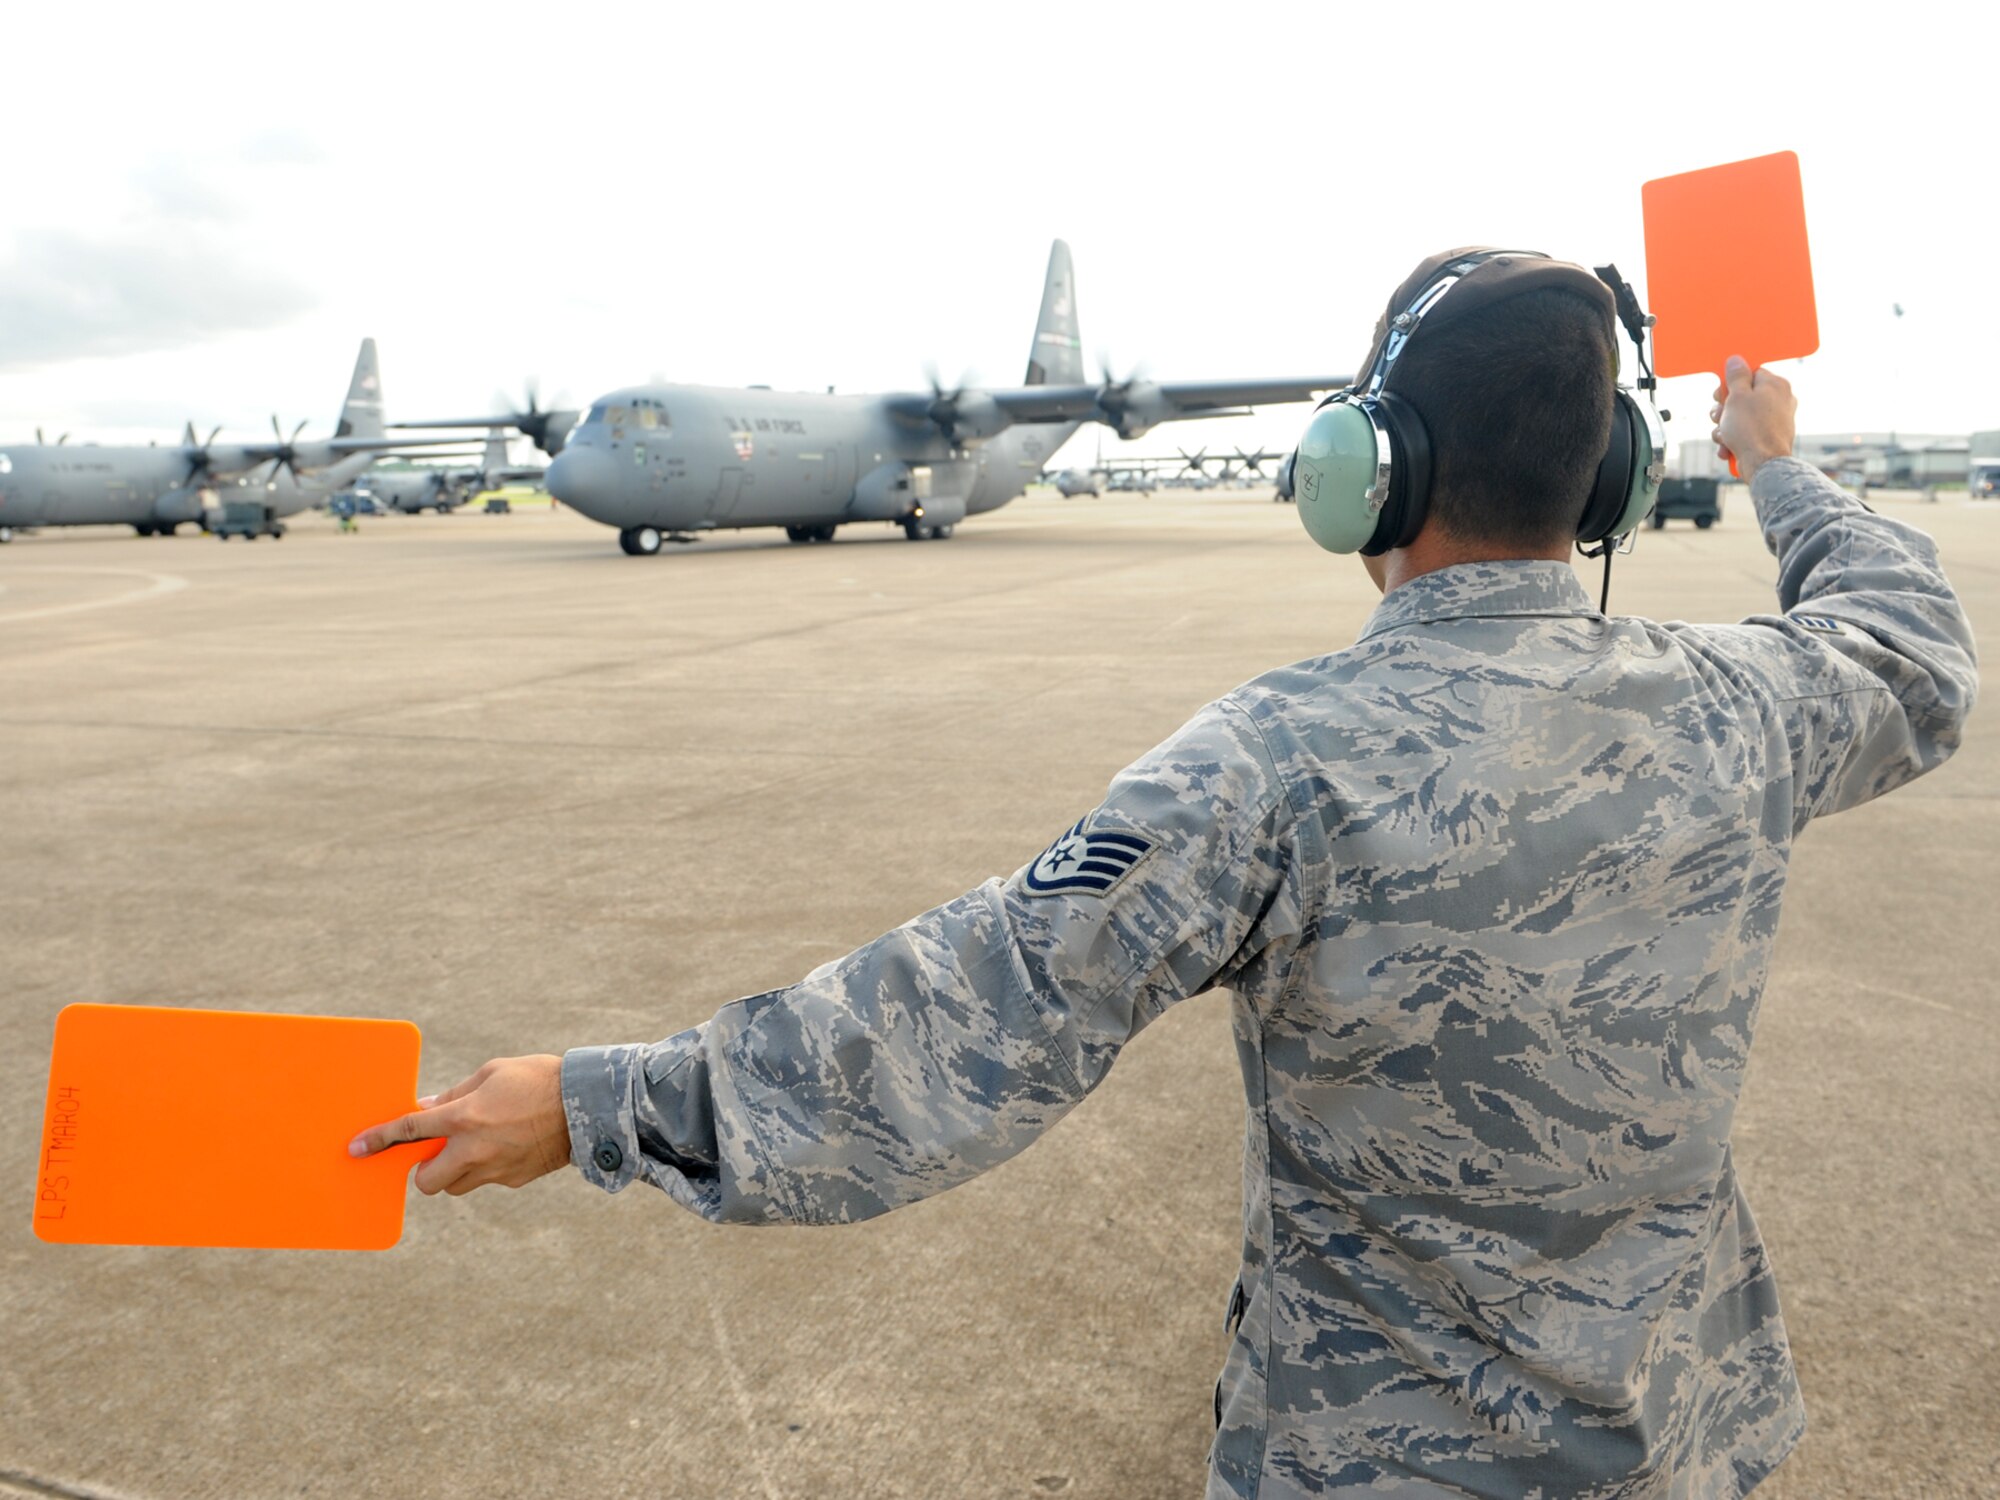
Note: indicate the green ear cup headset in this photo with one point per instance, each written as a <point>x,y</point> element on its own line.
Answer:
<point>1362,472</point>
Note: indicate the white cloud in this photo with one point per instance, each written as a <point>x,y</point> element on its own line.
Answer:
<point>66,296</point>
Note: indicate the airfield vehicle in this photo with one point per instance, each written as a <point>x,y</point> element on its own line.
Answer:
<point>248,519</point>
<point>1696,500</point>
<point>1984,481</point>
<point>498,505</point>
<point>1073,482</point>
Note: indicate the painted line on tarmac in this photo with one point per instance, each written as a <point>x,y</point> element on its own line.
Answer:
<point>162,584</point>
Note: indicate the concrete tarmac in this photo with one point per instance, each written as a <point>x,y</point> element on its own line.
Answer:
<point>491,775</point>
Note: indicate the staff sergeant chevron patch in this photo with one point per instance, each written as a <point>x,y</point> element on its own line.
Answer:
<point>1085,862</point>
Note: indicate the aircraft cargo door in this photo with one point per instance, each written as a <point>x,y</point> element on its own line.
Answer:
<point>729,487</point>
<point>836,475</point>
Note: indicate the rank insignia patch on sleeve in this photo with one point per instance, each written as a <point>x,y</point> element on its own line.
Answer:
<point>1824,624</point>
<point>1085,862</point>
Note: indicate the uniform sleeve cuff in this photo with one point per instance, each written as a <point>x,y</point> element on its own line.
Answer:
<point>597,1100</point>
<point>1781,479</point>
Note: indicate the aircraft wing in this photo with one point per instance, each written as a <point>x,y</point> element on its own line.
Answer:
<point>1130,407</point>
<point>1174,398</point>
<point>321,448</point>
<point>389,445</point>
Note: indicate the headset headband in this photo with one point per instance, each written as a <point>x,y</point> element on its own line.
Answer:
<point>1402,328</point>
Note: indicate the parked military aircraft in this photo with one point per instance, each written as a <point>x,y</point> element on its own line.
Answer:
<point>662,461</point>
<point>156,490</point>
<point>443,488</point>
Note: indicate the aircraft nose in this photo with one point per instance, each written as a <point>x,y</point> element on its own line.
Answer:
<point>583,476</point>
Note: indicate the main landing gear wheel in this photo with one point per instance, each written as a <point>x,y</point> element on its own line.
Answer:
<point>6,535</point>
<point>811,533</point>
<point>923,531</point>
<point>640,541</point>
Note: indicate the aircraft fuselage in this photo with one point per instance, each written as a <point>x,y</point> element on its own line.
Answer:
<point>145,488</point>
<point>684,458</point>
<point>93,486</point>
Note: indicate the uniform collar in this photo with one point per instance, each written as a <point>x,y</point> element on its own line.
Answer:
<point>1516,586</point>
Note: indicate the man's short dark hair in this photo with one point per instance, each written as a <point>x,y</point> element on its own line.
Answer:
<point>1517,398</point>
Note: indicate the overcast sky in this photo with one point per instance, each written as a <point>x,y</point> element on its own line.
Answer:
<point>207,207</point>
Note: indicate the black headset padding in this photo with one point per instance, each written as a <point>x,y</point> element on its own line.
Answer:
<point>1409,476</point>
<point>1613,487</point>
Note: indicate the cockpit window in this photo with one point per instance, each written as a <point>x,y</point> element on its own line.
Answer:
<point>642,412</point>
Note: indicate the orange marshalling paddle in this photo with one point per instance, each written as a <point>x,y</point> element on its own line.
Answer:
<point>224,1128</point>
<point>1727,266</point>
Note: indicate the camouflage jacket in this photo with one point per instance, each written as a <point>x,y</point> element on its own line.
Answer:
<point>1494,890</point>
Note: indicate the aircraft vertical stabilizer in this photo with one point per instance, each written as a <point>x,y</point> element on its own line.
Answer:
<point>361,417</point>
<point>495,457</point>
<point>1057,358</point>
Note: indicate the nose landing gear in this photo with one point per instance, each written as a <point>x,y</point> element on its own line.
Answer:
<point>640,541</point>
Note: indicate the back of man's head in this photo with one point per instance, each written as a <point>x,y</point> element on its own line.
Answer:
<point>1516,395</point>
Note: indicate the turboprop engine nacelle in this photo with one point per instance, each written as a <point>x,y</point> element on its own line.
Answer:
<point>969,417</point>
<point>1133,408</point>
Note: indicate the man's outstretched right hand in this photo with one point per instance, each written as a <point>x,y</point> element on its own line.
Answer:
<point>505,1124</point>
<point>1755,416</point>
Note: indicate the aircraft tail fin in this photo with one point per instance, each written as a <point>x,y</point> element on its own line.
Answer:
<point>1057,358</point>
<point>362,415</point>
<point>494,459</point>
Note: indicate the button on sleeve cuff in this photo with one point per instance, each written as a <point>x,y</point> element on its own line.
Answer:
<point>597,1088</point>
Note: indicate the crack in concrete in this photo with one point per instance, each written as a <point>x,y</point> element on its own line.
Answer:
<point>15,1482</point>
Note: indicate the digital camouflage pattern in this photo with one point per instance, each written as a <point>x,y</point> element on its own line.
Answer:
<point>1494,890</point>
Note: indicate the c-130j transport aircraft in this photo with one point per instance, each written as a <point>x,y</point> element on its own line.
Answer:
<point>156,490</point>
<point>673,460</point>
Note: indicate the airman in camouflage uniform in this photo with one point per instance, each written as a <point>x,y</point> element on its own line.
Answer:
<point>1494,891</point>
